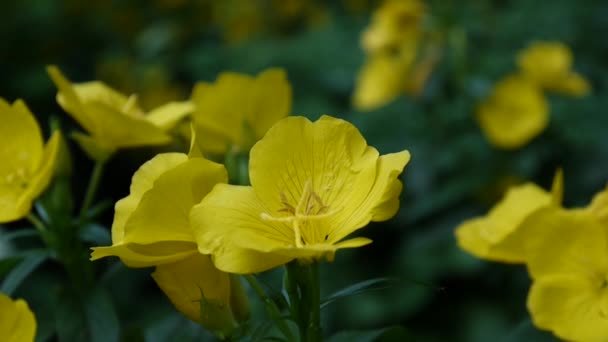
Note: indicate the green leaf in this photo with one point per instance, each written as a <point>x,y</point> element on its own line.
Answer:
<point>23,232</point>
<point>22,270</point>
<point>526,331</point>
<point>396,333</point>
<point>358,288</point>
<point>101,317</point>
<point>96,234</point>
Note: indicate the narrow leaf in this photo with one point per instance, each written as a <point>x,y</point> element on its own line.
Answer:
<point>16,276</point>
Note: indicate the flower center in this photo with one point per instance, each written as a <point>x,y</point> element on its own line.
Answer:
<point>310,207</point>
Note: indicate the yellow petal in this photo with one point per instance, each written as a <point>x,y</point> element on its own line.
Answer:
<point>573,308</point>
<point>560,241</point>
<point>99,92</point>
<point>543,61</point>
<point>270,101</point>
<point>92,147</point>
<point>571,84</point>
<point>21,148</point>
<point>18,323</point>
<point>135,255</point>
<point>381,80</point>
<point>142,181</point>
<point>163,211</point>
<point>484,236</point>
<point>228,224</point>
<point>69,100</point>
<point>168,115</point>
<point>186,282</point>
<point>515,113</point>
<point>42,177</point>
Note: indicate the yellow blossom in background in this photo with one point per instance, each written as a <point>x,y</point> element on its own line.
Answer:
<point>497,235</point>
<point>112,119</point>
<point>17,322</point>
<point>549,64</point>
<point>313,184</point>
<point>237,110</point>
<point>394,23</point>
<point>27,164</point>
<point>569,268</point>
<point>515,113</point>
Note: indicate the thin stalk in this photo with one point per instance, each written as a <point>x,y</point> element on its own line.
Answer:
<point>92,187</point>
<point>271,307</point>
<point>38,224</point>
<point>314,325</point>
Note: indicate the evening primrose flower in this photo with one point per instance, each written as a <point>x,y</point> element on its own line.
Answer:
<point>313,184</point>
<point>394,23</point>
<point>27,164</point>
<point>514,114</point>
<point>112,119</point>
<point>569,269</point>
<point>225,123</point>
<point>498,235</point>
<point>549,64</point>
<point>18,323</point>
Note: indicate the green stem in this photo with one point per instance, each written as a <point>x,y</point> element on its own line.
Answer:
<point>314,325</point>
<point>271,307</point>
<point>38,224</point>
<point>92,187</point>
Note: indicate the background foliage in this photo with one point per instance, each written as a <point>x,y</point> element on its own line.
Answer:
<point>160,48</point>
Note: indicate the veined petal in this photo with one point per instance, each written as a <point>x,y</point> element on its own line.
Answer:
<point>560,241</point>
<point>228,224</point>
<point>483,236</point>
<point>330,154</point>
<point>168,115</point>
<point>134,255</point>
<point>142,181</point>
<point>18,323</point>
<point>270,101</point>
<point>570,306</point>
<point>163,211</point>
<point>21,148</point>
<point>192,280</point>
<point>382,201</point>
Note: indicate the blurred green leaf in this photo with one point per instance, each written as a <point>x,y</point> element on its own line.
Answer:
<point>101,317</point>
<point>389,334</point>
<point>96,234</point>
<point>358,288</point>
<point>18,274</point>
<point>526,331</point>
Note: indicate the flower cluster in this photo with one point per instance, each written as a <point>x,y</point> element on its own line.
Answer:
<point>564,251</point>
<point>516,111</point>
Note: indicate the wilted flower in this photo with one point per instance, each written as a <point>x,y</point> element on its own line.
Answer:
<point>514,114</point>
<point>549,64</point>
<point>112,119</point>
<point>237,110</point>
<point>27,164</point>
<point>313,184</point>
<point>18,323</point>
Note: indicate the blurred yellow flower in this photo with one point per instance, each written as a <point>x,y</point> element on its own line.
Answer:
<point>394,23</point>
<point>237,110</point>
<point>515,112</point>
<point>549,64</point>
<point>18,323</point>
<point>497,236</point>
<point>27,164</point>
<point>112,119</point>
<point>313,184</point>
<point>569,268</point>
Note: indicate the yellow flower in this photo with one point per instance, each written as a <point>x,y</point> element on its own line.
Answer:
<point>394,23</point>
<point>237,110</point>
<point>514,114</point>
<point>151,228</point>
<point>313,184</point>
<point>549,64</point>
<point>498,235</point>
<point>382,79</point>
<point>27,164</point>
<point>18,323</point>
<point>112,119</point>
<point>568,264</point>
